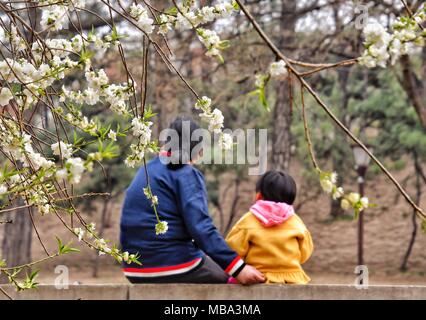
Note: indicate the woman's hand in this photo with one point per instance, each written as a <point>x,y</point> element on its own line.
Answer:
<point>250,275</point>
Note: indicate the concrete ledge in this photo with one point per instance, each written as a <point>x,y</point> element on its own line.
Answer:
<point>217,292</point>
<point>74,292</point>
<point>274,292</point>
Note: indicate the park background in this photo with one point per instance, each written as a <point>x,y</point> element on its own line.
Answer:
<point>378,105</point>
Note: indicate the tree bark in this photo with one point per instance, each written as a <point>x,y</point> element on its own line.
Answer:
<point>233,210</point>
<point>281,152</point>
<point>17,237</point>
<point>414,87</point>
<point>404,264</point>
<point>339,155</point>
<point>105,210</point>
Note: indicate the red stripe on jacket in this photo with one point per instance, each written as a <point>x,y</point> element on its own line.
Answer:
<point>160,269</point>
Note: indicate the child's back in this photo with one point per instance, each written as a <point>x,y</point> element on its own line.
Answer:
<point>277,251</point>
<point>271,237</point>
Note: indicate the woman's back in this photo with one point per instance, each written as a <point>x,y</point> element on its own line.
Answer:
<point>138,218</point>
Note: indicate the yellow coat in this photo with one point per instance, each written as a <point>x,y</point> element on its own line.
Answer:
<point>278,251</point>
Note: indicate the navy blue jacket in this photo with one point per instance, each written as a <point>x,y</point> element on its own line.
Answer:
<point>183,205</point>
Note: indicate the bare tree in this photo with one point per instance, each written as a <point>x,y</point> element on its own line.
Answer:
<point>17,235</point>
<point>281,152</point>
<point>419,174</point>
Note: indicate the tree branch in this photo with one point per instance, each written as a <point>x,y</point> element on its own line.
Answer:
<point>328,111</point>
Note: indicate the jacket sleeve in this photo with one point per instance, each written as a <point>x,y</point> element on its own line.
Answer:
<point>192,198</point>
<point>238,240</point>
<point>306,245</point>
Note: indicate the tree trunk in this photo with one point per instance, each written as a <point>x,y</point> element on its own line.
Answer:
<point>414,87</point>
<point>281,152</point>
<point>233,210</point>
<point>404,264</point>
<point>339,154</point>
<point>105,210</point>
<point>17,236</point>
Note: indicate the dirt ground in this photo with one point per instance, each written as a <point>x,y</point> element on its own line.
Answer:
<point>387,233</point>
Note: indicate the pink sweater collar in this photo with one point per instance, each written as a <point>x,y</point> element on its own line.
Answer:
<point>271,213</point>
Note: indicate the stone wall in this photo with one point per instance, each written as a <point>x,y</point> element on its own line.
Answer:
<point>216,292</point>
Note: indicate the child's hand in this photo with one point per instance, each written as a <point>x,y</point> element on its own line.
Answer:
<point>250,275</point>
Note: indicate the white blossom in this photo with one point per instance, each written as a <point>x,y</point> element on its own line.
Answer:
<point>62,149</point>
<point>338,193</point>
<point>76,168</point>
<point>161,227</point>
<point>208,14</point>
<point>204,103</point>
<point>142,129</point>
<point>154,200</point>
<point>61,174</point>
<point>354,197</point>
<point>17,42</point>
<point>165,26</point>
<point>383,46</point>
<point>182,22</point>
<point>126,256</point>
<point>364,202</point>
<point>278,69</point>
<point>54,17</point>
<point>5,96</point>
<point>140,14</point>
<point>345,204</point>
<point>3,38</point>
<point>112,135</point>
<point>224,9</point>
<point>91,227</point>
<point>79,232</point>
<point>215,120</point>
<point>3,189</point>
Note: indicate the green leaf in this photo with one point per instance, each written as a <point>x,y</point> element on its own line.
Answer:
<point>115,36</point>
<point>148,114</point>
<point>356,214</point>
<point>85,55</point>
<point>224,44</point>
<point>16,88</point>
<point>220,58</point>
<point>29,282</point>
<point>262,99</point>
<point>65,248</point>
<point>172,11</point>
<point>110,151</point>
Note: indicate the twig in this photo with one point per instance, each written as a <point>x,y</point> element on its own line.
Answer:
<point>307,133</point>
<point>315,95</point>
<point>410,13</point>
<point>5,293</point>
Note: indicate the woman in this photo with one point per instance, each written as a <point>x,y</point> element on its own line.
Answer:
<point>192,250</point>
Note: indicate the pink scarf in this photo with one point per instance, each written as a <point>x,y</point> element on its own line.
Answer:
<point>271,213</point>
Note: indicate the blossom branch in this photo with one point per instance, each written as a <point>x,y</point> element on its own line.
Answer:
<point>328,111</point>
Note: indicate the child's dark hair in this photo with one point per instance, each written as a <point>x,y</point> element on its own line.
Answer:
<point>277,186</point>
<point>181,153</point>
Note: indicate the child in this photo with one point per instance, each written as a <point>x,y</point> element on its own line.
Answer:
<point>271,237</point>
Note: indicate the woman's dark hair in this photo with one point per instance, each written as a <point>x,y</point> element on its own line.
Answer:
<point>181,151</point>
<point>277,186</point>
